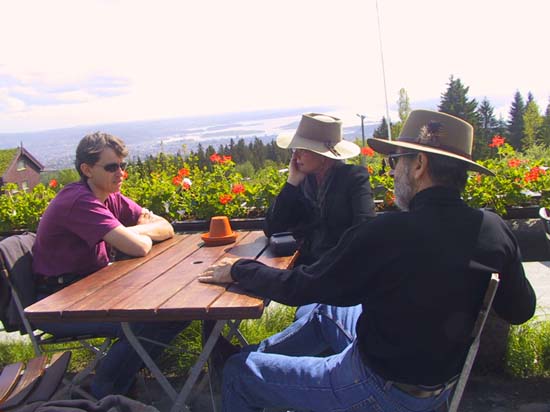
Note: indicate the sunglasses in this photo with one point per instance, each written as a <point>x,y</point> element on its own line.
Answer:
<point>113,167</point>
<point>393,158</point>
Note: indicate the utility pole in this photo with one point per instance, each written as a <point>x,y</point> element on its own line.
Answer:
<point>363,159</point>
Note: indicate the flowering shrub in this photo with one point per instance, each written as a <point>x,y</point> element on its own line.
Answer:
<point>22,210</point>
<point>179,189</point>
<point>521,180</point>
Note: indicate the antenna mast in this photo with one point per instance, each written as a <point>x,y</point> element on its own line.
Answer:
<point>383,71</point>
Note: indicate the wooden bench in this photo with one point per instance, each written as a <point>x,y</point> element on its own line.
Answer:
<point>38,380</point>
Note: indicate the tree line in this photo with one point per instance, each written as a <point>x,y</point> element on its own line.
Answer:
<point>524,128</point>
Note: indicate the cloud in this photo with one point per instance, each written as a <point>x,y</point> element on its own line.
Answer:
<point>19,94</point>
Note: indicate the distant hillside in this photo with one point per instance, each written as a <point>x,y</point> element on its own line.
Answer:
<point>55,148</point>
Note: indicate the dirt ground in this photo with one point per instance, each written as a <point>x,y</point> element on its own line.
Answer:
<point>492,393</point>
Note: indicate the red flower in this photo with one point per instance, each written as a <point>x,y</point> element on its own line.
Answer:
<point>176,180</point>
<point>183,172</point>
<point>186,185</point>
<point>534,174</point>
<point>497,141</point>
<point>367,151</point>
<point>237,188</point>
<point>53,183</point>
<point>215,158</point>
<point>514,163</point>
<point>225,159</point>
<point>370,170</point>
<point>124,175</point>
<point>478,178</point>
<point>225,199</point>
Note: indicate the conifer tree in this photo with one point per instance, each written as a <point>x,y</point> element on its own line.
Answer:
<point>381,132</point>
<point>532,123</point>
<point>545,129</point>
<point>515,121</point>
<point>455,101</point>
<point>486,129</point>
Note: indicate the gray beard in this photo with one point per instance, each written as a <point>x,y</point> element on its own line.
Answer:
<point>404,190</point>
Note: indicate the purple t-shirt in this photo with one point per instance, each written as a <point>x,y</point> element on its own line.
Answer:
<point>70,234</point>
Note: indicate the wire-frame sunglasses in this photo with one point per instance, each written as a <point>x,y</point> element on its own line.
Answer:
<point>393,158</point>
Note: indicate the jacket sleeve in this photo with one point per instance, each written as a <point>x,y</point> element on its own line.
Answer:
<point>515,300</point>
<point>332,280</point>
<point>286,212</point>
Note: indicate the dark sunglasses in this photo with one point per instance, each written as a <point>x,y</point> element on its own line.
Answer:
<point>113,167</point>
<point>393,158</point>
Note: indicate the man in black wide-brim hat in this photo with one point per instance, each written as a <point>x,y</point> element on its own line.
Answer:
<point>420,286</point>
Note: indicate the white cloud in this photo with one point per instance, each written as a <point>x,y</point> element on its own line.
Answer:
<point>175,58</point>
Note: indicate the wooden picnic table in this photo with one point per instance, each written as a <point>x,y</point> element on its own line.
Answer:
<point>163,286</point>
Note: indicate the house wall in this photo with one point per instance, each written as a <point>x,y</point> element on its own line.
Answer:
<point>30,174</point>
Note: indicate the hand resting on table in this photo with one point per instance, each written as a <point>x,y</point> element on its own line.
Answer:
<point>219,272</point>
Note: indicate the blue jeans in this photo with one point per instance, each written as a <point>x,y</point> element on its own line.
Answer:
<point>342,382</point>
<point>116,372</point>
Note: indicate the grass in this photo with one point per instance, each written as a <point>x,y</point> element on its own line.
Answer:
<point>175,360</point>
<point>528,353</point>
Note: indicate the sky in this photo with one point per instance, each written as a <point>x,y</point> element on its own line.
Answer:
<point>65,63</point>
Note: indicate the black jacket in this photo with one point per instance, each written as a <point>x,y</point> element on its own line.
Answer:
<point>319,216</point>
<point>420,276</point>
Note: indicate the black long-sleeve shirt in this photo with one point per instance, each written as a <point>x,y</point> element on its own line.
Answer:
<point>420,277</point>
<point>318,216</point>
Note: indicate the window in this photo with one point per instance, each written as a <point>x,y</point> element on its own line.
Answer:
<point>21,165</point>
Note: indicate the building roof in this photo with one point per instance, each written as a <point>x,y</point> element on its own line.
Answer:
<point>7,157</point>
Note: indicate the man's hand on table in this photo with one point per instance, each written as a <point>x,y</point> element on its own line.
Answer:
<point>219,272</point>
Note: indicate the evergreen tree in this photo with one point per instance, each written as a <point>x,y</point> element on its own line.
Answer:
<point>403,105</point>
<point>501,127</point>
<point>515,121</point>
<point>532,123</point>
<point>381,132</point>
<point>201,156</point>
<point>545,129</point>
<point>455,102</point>
<point>486,129</point>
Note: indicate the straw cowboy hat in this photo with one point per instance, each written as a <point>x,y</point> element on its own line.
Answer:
<point>321,134</point>
<point>434,132</point>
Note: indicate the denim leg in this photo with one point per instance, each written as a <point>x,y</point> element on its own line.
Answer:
<point>322,327</point>
<point>338,383</point>
<point>304,310</point>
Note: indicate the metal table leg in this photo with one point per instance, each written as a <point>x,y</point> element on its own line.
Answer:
<point>138,347</point>
<point>179,404</point>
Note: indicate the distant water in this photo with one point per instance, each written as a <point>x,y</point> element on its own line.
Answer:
<point>55,148</point>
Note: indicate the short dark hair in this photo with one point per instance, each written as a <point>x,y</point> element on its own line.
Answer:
<point>447,171</point>
<point>90,147</point>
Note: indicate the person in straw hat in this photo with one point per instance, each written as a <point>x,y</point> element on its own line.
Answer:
<point>323,196</point>
<point>421,287</point>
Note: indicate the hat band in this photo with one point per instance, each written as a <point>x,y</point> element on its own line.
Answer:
<point>330,146</point>
<point>440,146</point>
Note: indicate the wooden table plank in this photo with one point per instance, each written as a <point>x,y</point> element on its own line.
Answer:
<point>162,285</point>
<point>174,281</point>
<point>197,294</point>
<point>129,286</point>
<point>54,305</point>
